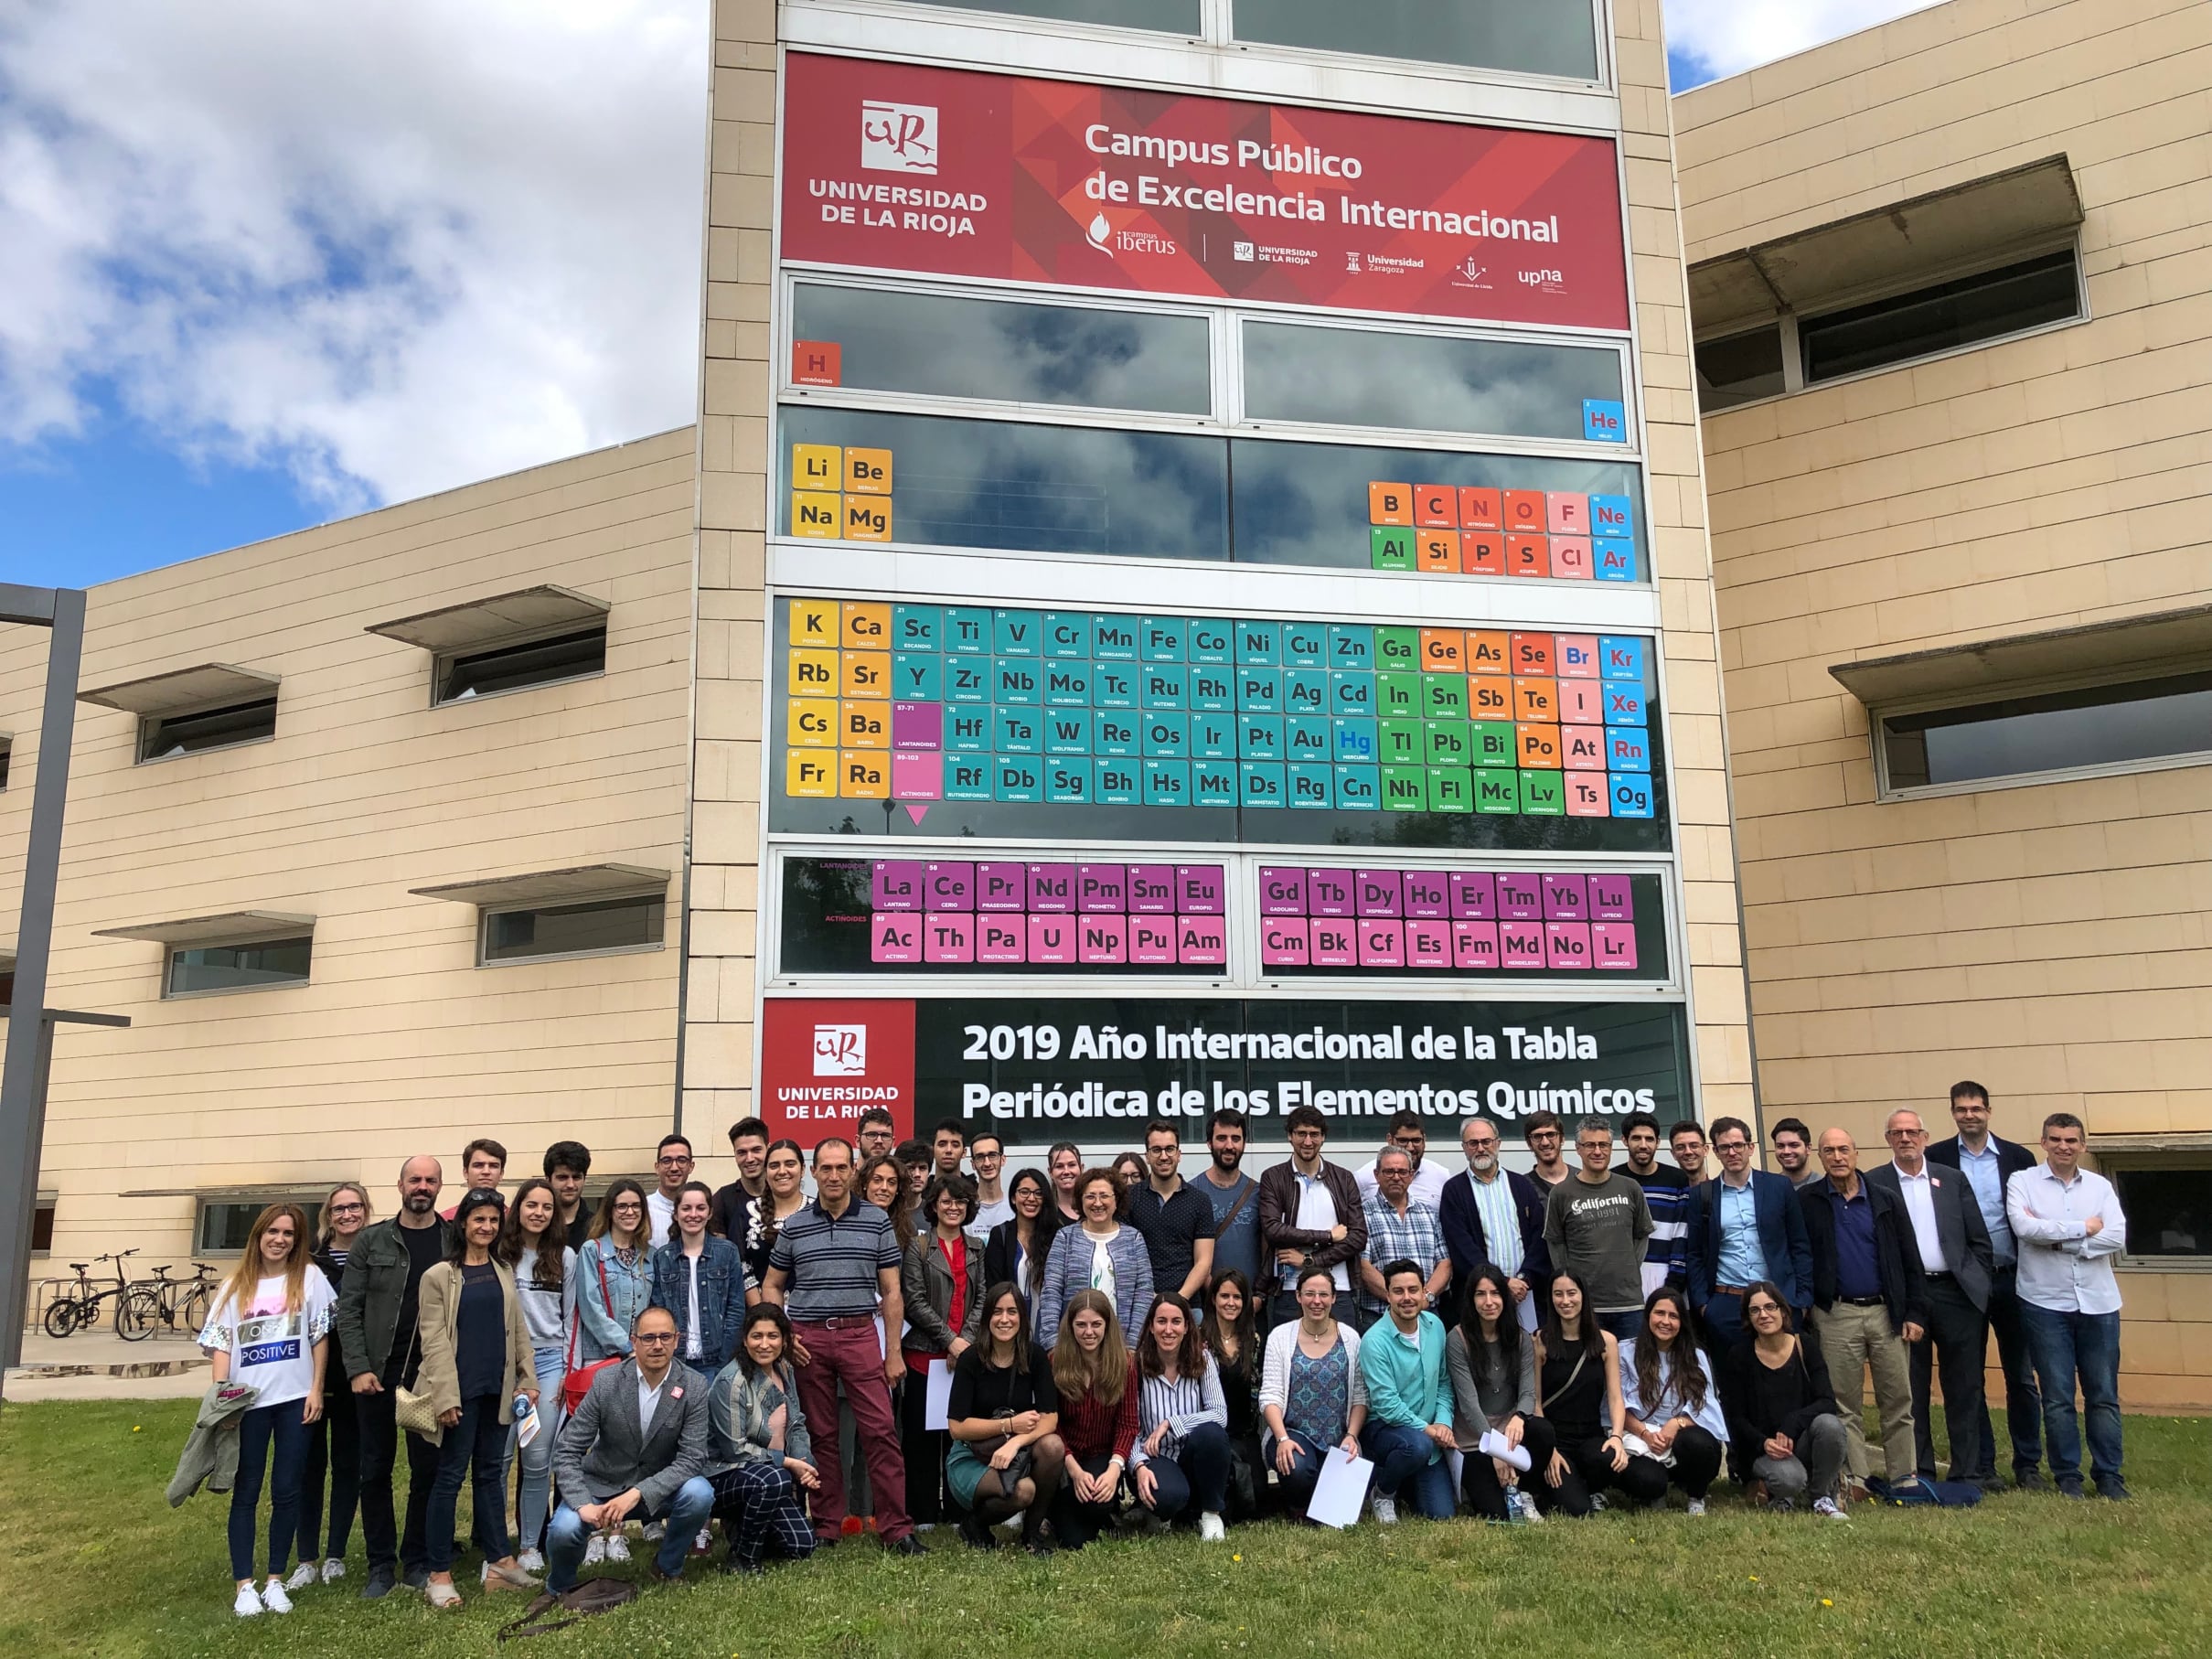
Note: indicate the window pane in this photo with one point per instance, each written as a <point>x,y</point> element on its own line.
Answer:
<point>1046,489</point>
<point>2169,1212</point>
<point>956,348</point>
<point>42,1227</point>
<point>564,930</point>
<point>1974,309</point>
<point>1558,39</point>
<point>1738,369</point>
<point>238,967</point>
<point>1371,378</point>
<point>223,1227</point>
<point>176,735</point>
<point>513,667</point>
<point>1178,16</point>
<point>2098,726</point>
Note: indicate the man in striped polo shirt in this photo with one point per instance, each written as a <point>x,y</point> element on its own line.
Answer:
<point>1666,1193</point>
<point>835,1268</point>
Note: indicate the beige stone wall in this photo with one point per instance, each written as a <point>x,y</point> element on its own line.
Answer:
<point>398,1043</point>
<point>2050,941</point>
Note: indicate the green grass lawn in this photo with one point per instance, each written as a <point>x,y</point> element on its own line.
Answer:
<point>92,1560</point>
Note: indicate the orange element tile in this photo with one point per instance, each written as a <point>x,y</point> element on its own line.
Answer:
<point>1525,510</point>
<point>1481,510</point>
<point>1536,701</point>
<point>1436,551</point>
<point>1435,507</point>
<point>1483,553</point>
<point>1488,652</point>
<point>1528,555</point>
<point>1532,656</point>
<point>1444,651</point>
<point>1390,504</point>
<point>1539,747</point>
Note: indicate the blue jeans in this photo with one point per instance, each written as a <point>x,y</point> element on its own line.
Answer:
<point>1623,1326</point>
<point>476,1445</point>
<point>1308,1454</point>
<point>256,1429</point>
<point>1409,1466</point>
<point>566,1539</point>
<point>537,1458</point>
<point>1196,1477</point>
<point>2066,1346</point>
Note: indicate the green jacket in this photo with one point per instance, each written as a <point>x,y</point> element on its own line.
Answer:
<point>369,1299</point>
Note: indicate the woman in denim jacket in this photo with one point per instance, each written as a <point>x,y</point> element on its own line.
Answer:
<point>757,1445</point>
<point>614,1273</point>
<point>702,1280</point>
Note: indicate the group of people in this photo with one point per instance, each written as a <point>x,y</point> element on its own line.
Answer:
<point>1124,1347</point>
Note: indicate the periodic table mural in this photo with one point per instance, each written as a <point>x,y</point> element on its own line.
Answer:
<point>926,719</point>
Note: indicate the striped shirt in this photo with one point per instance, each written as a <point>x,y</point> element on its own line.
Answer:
<point>1183,1404</point>
<point>1666,1193</point>
<point>831,1262</point>
<point>1417,1237</point>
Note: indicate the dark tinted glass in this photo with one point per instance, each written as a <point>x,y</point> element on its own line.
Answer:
<point>238,967</point>
<point>2169,1212</point>
<point>1020,352</point>
<point>2098,726</point>
<point>555,930</point>
<point>1368,378</point>
<point>42,1227</point>
<point>2004,301</point>
<point>1738,369</point>
<point>1045,489</point>
<point>512,668</point>
<point>1178,16</point>
<point>176,735</point>
<point>224,1227</point>
<point>1554,39</point>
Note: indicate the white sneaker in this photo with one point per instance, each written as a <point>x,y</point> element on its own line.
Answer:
<point>1385,1511</point>
<point>249,1602</point>
<point>704,1542</point>
<point>275,1598</point>
<point>1526,1504</point>
<point>302,1577</point>
<point>332,1570</point>
<point>1697,1507</point>
<point>1828,1510</point>
<point>656,1531</point>
<point>595,1551</point>
<point>1210,1529</point>
<point>618,1548</point>
<point>530,1561</point>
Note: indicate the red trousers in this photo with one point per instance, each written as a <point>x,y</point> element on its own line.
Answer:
<point>852,1354</point>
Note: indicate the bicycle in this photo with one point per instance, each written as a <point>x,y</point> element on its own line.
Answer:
<point>171,1301</point>
<point>68,1315</point>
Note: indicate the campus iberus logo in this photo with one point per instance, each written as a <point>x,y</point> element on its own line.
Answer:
<point>825,1062</point>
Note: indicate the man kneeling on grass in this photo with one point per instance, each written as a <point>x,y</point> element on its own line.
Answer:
<point>636,1447</point>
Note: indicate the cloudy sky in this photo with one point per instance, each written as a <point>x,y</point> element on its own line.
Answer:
<point>265,263</point>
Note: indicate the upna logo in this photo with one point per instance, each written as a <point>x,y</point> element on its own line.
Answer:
<point>840,1051</point>
<point>899,137</point>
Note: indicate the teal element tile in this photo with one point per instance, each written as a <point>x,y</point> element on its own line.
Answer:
<point>1018,731</point>
<point>1115,733</point>
<point>1067,780</point>
<point>1164,639</point>
<point>1212,641</point>
<point>1166,734</point>
<point>1113,637</point>
<point>1018,778</point>
<point>1352,693</point>
<point>1213,736</point>
<point>1164,685</point>
<point>1259,689</point>
<point>1355,741</point>
<point>1117,783</point>
<point>1067,685</point>
<point>1067,634</point>
<point>1307,737</point>
<point>967,778</point>
<point>1114,685</point>
<point>1016,680</point>
<point>917,627</point>
<point>1018,632</point>
<point>918,676</point>
<point>1068,731</point>
<point>968,729</point>
<point>1259,736</point>
<point>1262,784</point>
<point>1167,783</point>
<point>1351,645</point>
<point>1359,788</point>
<point>1305,644</point>
<point>968,680</point>
<point>1306,691</point>
<point>968,630</point>
<point>1259,644</point>
<point>1310,785</point>
<point>1213,783</point>
<point>1212,687</point>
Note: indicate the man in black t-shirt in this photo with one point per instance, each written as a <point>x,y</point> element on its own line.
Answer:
<point>1177,1223</point>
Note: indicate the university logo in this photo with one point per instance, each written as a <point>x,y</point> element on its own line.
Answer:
<point>899,137</point>
<point>840,1051</point>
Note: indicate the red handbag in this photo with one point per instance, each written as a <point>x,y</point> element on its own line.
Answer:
<point>576,1381</point>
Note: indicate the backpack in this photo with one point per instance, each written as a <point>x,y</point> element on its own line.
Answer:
<point>592,1596</point>
<point>1916,1493</point>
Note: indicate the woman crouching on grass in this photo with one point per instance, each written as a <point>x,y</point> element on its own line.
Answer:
<point>1005,1457</point>
<point>757,1441</point>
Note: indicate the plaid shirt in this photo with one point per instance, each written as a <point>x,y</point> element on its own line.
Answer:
<point>1416,1237</point>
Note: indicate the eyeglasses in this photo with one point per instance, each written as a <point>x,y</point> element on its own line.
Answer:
<point>671,1162</point>
<point>1731,1146</point>
<point>654,1337</point>
<point>348,1209</point>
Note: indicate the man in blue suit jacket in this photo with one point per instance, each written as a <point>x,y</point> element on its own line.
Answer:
<point>1743,1228</point>
<point>1989,1164</point>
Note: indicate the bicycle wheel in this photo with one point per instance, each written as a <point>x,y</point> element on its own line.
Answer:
<point>63,1316</point>
<point>192,1315</point>
<point>136,1314</point>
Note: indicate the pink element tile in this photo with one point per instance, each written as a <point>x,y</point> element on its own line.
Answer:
<point>1102,889</point>
<point>1566,514</point>
<point>1566,945</point>
<point>894,936</point>
<point>1575,656</point>
<point>1566,898</point>
<point>1051,939</point>
<point>1334,944</point>
<point>1582,748</point>
<point>1519,897</point>
<point>999,939</point>
<point>1429,945</point>
<point>1611,899</point>
<point>948,887</point>
<point>1380,893</point>
<point>1382,943</point>
<point>1151,889</point>
<point>1613,944</point>
<point>1585,795</point>
<point>1571,559</point>
<point>896,884</point>
<point>1474,895</point>
<point>1521,944</point>
<point>917,775</point>
<point>1329,893</point>
<point>1052,888</point>
<point>918,725</point>
<point>1202,941</point>
<point>948,936</point>
<point>1282,890</point>
<point>1102,941</point>
<point>1427,894</point>
<point>1002,886</point>
<point>1151,939</point>
<point>1581,702</point>
<point>1201,889</point>
<point>1474,945</point>
<point>1284,942</point>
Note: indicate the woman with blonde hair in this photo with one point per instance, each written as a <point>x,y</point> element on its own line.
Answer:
<point>334,1440</point>
<point>268,1331</point>
<point>1095,1375</point>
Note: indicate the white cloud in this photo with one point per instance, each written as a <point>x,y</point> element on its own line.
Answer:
<point>392,247</point>
<point>1729,36</point>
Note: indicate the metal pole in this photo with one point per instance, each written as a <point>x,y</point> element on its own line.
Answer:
<point>22,1098</point>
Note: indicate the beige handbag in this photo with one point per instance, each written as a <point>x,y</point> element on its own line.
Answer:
<point>414,1413</point>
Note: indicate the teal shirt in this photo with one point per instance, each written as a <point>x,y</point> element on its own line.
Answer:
<point>1406,1384</point>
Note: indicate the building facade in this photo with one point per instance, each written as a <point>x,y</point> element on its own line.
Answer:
<point>1952,281</point>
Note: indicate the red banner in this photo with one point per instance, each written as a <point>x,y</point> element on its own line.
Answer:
<point>825,1062</point>
<point>901,167</point>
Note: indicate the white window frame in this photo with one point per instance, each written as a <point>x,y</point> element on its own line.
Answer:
<point>169,954</point>
<point>445,660</point>
<point>1887,791</point>
<point>147,722</point>
<point>485,912</point>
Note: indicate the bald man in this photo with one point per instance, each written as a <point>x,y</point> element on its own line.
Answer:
<point>377,1338</point>
<point>1868,1304</point>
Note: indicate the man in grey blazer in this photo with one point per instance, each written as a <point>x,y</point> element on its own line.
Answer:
<point>636,1447</point>
<point>1956,1255</point>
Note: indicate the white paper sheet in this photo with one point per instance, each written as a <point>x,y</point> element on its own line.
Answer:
<point>1494,1445</point>
<point>1526,1307</point>
<point>1457,1460</point>
<point>1341,1490</point>
<point>940,1395</point>
<point>1654,1276</point>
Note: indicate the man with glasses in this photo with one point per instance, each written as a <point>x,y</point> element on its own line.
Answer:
<point>1687,1142</point>
<point>1546,1142</point>
<point>1177,1223</point>
<point>986,1157</point>
<point>1745,1227</point>
<point>879,1134</point>
<point>1401,1228</point>
<point>1956,1257</point>
<point>1409,1134</point>
<point>671,1168</point>
<point>1495,1214</point>
<point>2069,1226</point>
<point>1594,1226</point>
<point>1311,1214</point>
